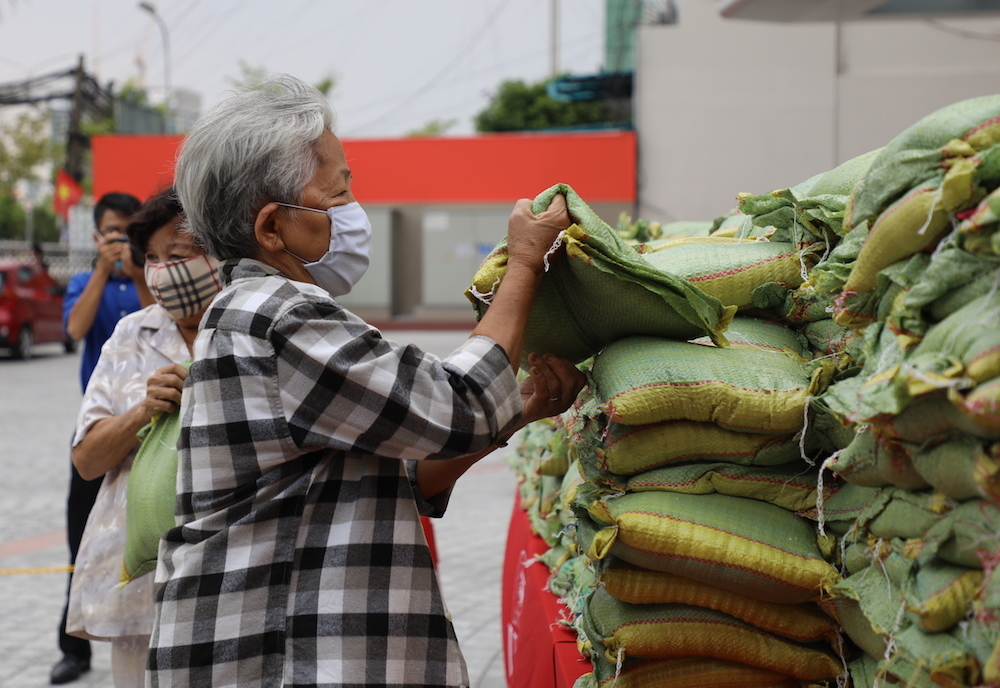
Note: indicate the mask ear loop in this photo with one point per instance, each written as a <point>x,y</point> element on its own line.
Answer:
<point>315,210</point>
<point>301,207</point>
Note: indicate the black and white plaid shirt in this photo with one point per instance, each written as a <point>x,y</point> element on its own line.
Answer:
<point>299,559</point>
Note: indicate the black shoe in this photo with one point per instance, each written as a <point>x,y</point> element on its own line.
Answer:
<point>68,669</point>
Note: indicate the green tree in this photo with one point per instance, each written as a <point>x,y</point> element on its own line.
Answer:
<point>24,145</point>
<point>251,77</point>
<point>46,225</point>
<point>326,85</point>
<point>518,106</point>
<point>436,127</point>
<point>11,218</point>
<point>132,92</point>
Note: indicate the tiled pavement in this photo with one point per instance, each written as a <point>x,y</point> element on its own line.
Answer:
<point>39,400</point>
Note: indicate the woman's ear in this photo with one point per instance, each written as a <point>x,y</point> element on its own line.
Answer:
<point>266,229</point>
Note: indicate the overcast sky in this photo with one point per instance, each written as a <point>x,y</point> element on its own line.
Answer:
<point>398,64</point>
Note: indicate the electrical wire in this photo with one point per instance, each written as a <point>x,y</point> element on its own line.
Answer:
<point>433,81</point>
<point>581,45</point>
<point>964,33</point>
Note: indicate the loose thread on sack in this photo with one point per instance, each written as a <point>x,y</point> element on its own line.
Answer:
<point>842,546</point>
<point>801,252</point>
<point>802,433</point>
<point>890,642</point>
<point>619,663</point>
<point>552,249</point>
<point>844,679</point>
<point>945,243</point>
<point>875,557</point>
<point>485,297</point>
<point>742,232</point>
<point>935,200</point>
<point>820,519</point>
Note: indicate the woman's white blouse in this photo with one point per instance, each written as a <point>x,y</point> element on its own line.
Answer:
<point>99,606</point>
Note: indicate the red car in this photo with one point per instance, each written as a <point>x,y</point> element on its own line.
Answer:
<point>30,308</point>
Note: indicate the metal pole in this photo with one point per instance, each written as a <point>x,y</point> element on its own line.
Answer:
<point>554,28</point>
<point>151,8</point>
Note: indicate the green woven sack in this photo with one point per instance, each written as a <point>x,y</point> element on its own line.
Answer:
<point>962,295</point>
<point>828,338</point>
<point>954,356</point>
<point>864,672</point>
<point>682,672</point>
<point>859,309</point>
<point>602,291</point>
<point>151,494</point>
<point>679,630</point>
<point>903,514</point>
<point>840,505</point>
<point>744,545</point>
<point>954,277</point>
<point>643,380</point>
<point>763,335</point>
<point>896,600</point>
<point>730,269</point>
<point>822,198</point>
<point>979,230</point>
<point>738,225</point>
<point>968,342</point>
<point>965,537</point>
<point>872,461</point>
<point>918,153</point>
<point>961,466</point>
<point>629,449</point>
<point>686,228</point>
<point>814,299</point>
<point>789,486</point>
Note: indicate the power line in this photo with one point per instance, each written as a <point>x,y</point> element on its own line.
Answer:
<point>447,68</point>
<point>964,33</point>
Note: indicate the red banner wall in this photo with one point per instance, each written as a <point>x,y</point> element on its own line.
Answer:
<point>495,168</point>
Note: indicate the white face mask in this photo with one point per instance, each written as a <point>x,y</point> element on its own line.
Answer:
<point>346,261</point>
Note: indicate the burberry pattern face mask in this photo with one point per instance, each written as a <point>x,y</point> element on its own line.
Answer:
<point>184,287</point>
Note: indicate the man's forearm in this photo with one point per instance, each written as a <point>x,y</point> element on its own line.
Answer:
<point>81,316</point>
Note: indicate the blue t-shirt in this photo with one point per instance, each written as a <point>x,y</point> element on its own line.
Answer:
<point>119,299</point>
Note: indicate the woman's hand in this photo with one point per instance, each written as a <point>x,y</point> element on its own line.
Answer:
<point>530,236</point>
<point>110,439</point>
<point>551,387</point>
<point>163,390</point>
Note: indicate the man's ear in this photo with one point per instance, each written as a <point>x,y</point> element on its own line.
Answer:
<point>266,229</point>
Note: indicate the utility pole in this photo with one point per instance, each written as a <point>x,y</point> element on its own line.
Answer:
<point>554,40</point>
<point>76,142</point>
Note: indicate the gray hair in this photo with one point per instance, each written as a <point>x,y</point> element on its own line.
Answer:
<point>252,148</point>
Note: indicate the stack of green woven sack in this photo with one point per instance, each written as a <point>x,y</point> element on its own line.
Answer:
<point>908,299</point>
<point>694,480</point>
<point>786,469</point>
<point>715,434</point>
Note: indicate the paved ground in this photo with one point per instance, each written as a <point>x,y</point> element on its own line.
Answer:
<point>39,400</point>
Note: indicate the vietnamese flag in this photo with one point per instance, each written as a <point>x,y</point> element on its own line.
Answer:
<point>67,194</point>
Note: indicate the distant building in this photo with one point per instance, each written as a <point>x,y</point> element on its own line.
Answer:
<point>745,103</point>
<point>187,108</point>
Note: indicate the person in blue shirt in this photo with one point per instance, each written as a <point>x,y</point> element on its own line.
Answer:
<point>93,304</point>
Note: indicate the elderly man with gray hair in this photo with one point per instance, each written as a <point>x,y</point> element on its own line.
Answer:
<point>311,445</point>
